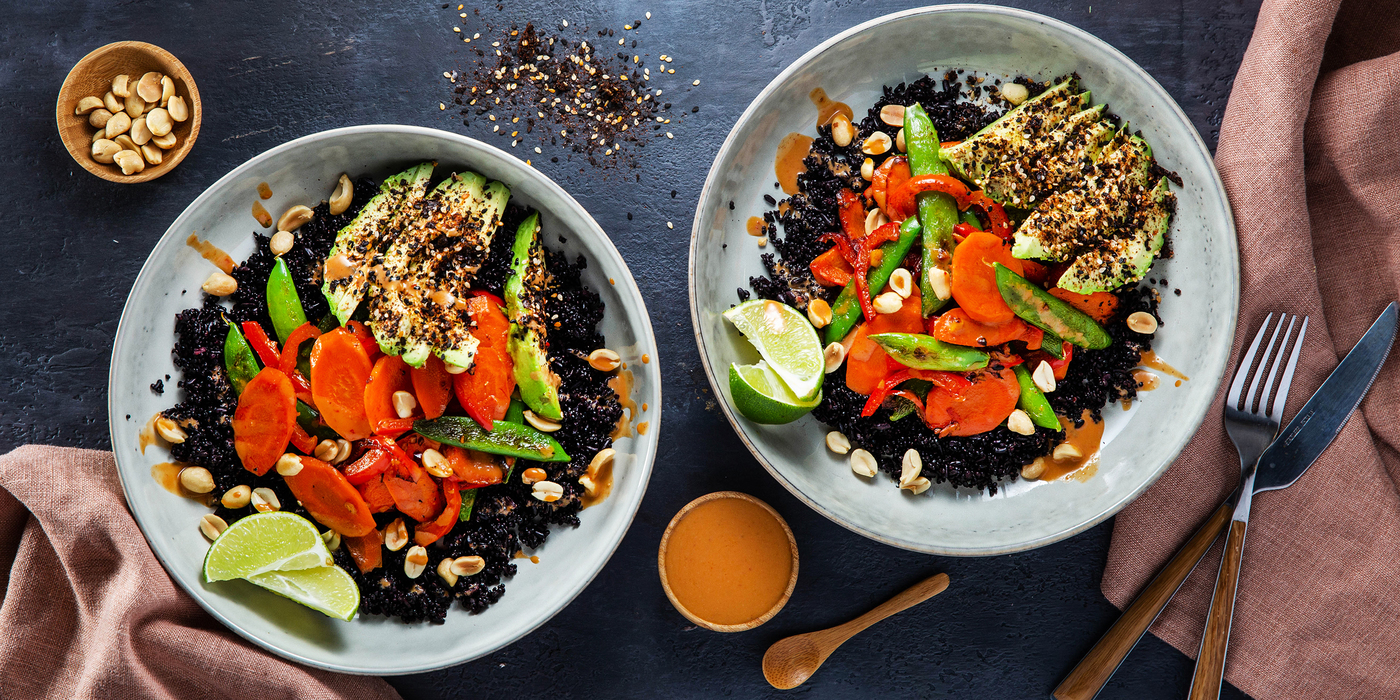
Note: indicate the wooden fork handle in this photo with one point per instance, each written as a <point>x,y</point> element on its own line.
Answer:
<point>1210,662</point>
<point>1097,666</point>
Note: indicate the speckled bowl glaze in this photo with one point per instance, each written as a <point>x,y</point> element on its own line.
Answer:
<point>1197,326</point>
<point>304,171</point>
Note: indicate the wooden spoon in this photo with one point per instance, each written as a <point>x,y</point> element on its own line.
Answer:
<point>791,661</point>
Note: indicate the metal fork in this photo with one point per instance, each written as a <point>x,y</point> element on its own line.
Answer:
<point>1252,421</point>
<point>1252,426</point>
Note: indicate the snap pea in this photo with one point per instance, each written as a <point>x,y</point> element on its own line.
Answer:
<point>938,211</point>
<point>845,312</point>
<point>283,302</point>
<point>505,438</point>
<point>516,412</point>
<point>970,218</point>
<point>310,421</point>
<point>927,352</point>
<point>239,360</point>
<point>1033,400</point>
<point>468,500</point>
<point>1053,345</point>
<point>1036,307</point>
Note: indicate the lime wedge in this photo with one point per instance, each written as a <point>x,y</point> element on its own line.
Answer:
<point>785,339</point>
<point>762,397</point>
<point>325,589</point>
<point>275,541</point>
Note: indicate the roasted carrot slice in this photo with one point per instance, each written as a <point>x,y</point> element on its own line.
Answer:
<point>866,362</point>
<point>331,500</point>
<point>958,328</point>
<point>428,533</point>
<point>432,385</point>
<point>339,370</point>
<point>366,550</point>
<point>974,279</point>
<point>472,468</point>
<point>390,374</point>
<point>484,390</point>
<point>415,493</point>
<point>262,423</point>
<point>376,494</point>
<point>975,409</point>
<point>1099,305</point>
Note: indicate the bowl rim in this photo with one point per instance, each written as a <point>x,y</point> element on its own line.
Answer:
<point>647,444</point>
<point>1214,184</point>
<point>79,154</point>
<point>662,551</point>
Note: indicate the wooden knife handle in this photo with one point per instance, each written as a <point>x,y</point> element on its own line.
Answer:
<point>1210,662</point>
<point>1094,670</point>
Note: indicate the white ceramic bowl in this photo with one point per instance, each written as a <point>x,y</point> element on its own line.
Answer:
<point>303,172</point>
<point>1195,336</point>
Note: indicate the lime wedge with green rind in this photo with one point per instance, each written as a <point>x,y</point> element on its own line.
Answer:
<point>762,397</point>
<point>325,589</point>
<point>786,340</point>
<point>276,541</point>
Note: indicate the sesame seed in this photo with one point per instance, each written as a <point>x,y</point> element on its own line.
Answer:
<point>669,136</point>
<point>537,149</point>
<point>457,29</point>
<point>441,106</point>
<point>566,22</point>
<point>648,15</point>
<point>670,225</point>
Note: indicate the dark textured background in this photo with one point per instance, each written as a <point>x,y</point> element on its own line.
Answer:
<point>270,71</point>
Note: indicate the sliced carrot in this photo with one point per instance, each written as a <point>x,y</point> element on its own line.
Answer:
<point>958,328</point>
<point>428,533</point>
<point>376,494</point>
<point>974,409</point>
<point>473,468</point>
<point>831,269</point>
<point>366,550</point>
<point>331,500</point>
<point>1100,305</point>
<point>339,370</point>
<point>262,423</point>
<point>866,362</point>
<point>432,385</point>
<point>974,279</point>
<point>415,493</point>
<point>390,375</point>
<point>484,390</point>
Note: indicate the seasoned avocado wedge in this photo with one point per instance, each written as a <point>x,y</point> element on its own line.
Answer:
<point>1004,139</point>
<point>1051,163</point>
<point>359,244</point>
<point>539,385</point>
<point>413,310</point>
<point>1128,257</point>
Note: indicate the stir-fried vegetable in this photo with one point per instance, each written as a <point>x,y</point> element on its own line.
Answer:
<point>1033,400</point>
<point>239,359</point>
<point>846,311</point>
<point>262,423</point>
<point>339,370</point>
<point>283,302</point>
<point>508,439</point>
<point>919,351</point>
<point>1039,308</point>
<point>938,211</point>
<point>330,498</point>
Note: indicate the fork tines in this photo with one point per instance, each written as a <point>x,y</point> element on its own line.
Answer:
<point>1257,402</point>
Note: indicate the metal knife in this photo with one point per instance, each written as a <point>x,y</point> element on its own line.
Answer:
<point>1306,436</point>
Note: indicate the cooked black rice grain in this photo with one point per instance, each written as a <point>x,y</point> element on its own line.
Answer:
<point>505,518</point>
<point>1096,378</point>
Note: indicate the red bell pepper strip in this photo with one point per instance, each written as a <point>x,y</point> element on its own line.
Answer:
<point>366,339</point>
<point>425,534</point>
<point>265,347</point>
<point>951,381</point>
<point>288,358</point>
<point>1001,224</point>
<point>962,230</point>
<point>856,248</point>
<point>388,445</point>
<point>373,463</point>
<point>303,440</point>
<point>488,295</point>
<point>902,199</point>
<point>831,269</point>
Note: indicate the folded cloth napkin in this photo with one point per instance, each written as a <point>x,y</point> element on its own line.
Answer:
<point>88,612</point>
<point>1310,158</point>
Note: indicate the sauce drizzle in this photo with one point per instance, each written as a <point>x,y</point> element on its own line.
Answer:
<point>602,483</point>
<point>788,163</point>
<point>264,191</point>
<point>827,108</point>
<point>756,226</point>
<point>212,253</point>
<point>1150,359</point>
<point>1146,381</point>
<point>338,266</point>
<point>621,384</point>
<point>1087,440</point>
<point>259,213</point>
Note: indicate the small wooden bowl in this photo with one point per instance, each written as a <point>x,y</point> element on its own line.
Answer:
<point>666,584</point>
<point>92,77</point>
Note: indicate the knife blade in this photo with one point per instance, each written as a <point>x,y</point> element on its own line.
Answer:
<point>1319,421</point>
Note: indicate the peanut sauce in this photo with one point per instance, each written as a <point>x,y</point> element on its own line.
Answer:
<point>642,427</point>
<point>338,266</point>
<point>444,298</point>
<point>621,384</point>
<point>1087,440</point>
<point>827,108</point>
<point>755,226</point>
<point>728,560</point>
<point>264,191</point>
<point>147,436</point>
<point>1146,381</point>
<point>602,483</point>
<point>212,253</point>
<point>1150,359</point>
<point>167,474</point>
<point>788,163</point>
<point>259,213</point>
<point>520,554</point>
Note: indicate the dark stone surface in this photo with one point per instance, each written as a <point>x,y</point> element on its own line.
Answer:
<point>1009,627</point>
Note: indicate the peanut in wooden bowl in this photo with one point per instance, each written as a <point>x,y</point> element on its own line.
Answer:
<point>680,607</point>
<point>92,77</point>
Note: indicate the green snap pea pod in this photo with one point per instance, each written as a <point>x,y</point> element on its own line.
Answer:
<point>927,352</point>
<point>1033,400</point>
<point>970,218</point>
<point>505,438</point>
<point>468,500</point>
<point>1053,345</point>
<point>938,211</point>
<point>239,360</point>
<point>845,312</point>
<point>1036,307</point>
<point>516,412</point>
<point>310,421</point>
<point>283,303</point>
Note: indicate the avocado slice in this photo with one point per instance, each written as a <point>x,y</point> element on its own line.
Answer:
<point>528,343</point>
<point>458,218</point>
<point>1127,257</point>
<point>1004,140</point>
<point>1048,164</point>
<point>358,245</point>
